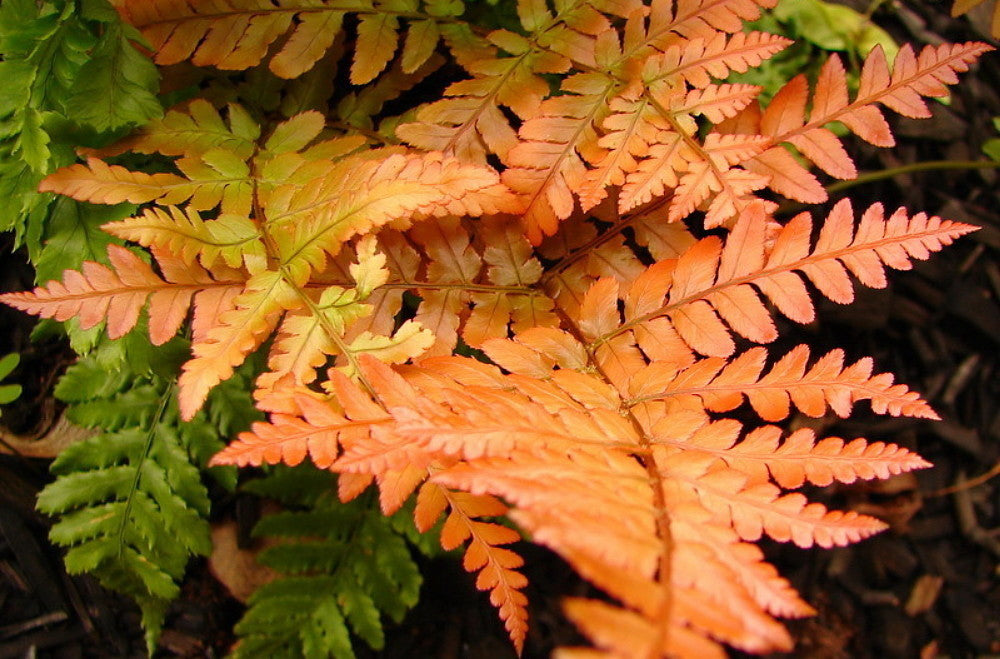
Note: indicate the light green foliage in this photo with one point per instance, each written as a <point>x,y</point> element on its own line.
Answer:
<point>833,26</point>
<point>9,392</point>
<point>347,565</point>
<point>70,77</point>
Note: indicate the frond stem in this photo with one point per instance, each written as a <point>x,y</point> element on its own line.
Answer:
<point>893,172</point>
<point>654,478</point>
<point>165,398</point>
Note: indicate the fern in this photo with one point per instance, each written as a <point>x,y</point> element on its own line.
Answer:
<point>345,566</point>
<point>131,503</point>
<point>69,73</point>
<point>548,216</point>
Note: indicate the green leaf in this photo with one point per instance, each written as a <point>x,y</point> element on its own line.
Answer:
<point>73,235</point>
<point>992,149</point>
<point>9,392</point>
<point>116,87</point>
<point>33,142</point>
<point>992,146</point>
<point>8,363</point>
<point>15,92</point>
<point>351,568</point>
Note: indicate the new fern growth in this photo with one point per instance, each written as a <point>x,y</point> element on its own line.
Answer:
<point>541,296</point>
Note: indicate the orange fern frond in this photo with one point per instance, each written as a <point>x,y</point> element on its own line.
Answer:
<point>697,61</point>
<point>721,385</point>
<point>316,430</point>
<point>236,34</point>
<point>714,282</point>
<point>900,88</point>
<point>219,177</point>
<point>497,566</point>
<point>754,508</point>
<point>546,166</point>
<point>799,458</point>
<point>469,123</point>
<point>117,294</point>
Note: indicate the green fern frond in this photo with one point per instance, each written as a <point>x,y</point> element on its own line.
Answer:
<point>132,510</point>
<point>130,503</point>
<point>349,566</point>
<point>70,75</point>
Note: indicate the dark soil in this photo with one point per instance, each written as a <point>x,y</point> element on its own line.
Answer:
<point>928,587</point>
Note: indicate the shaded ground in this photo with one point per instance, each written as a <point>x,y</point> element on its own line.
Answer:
<point>928,587</point>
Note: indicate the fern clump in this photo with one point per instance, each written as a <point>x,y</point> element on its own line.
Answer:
<point>541,297</point>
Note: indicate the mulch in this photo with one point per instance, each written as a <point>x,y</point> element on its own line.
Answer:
<point>927,587</point>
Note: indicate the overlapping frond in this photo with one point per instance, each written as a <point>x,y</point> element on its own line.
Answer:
<point>236,34</point>
<point>231,238</point>
<point>645,145</point>
<point>721,385</point>
<point>475,291</point>
<point>899,88</point>
<point>362,193</point>
<point>469,122</point>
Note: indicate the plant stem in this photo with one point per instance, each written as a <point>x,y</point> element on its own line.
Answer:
<point>892,172</point>
<point>150,435</point>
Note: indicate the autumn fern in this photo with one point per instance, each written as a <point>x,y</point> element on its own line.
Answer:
<point>540,297</point>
